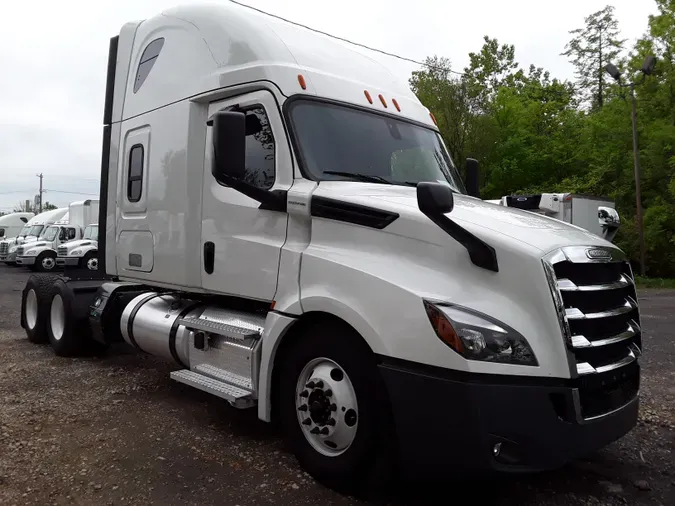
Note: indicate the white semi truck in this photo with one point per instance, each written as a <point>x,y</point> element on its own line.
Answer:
<point>280,217</point>
<point>12,224</point>
<point>38,226</point>
<point>41,255</point>
<point>83,253</point>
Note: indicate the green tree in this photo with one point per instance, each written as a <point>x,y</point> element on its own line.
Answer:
<point>591,49</point>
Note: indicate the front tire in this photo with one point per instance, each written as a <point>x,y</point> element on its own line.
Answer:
<point>334,410</point>
<point>45,262</point>
<point>35,307</point>
<point>90,261</point>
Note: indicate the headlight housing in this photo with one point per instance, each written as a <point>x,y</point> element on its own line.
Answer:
<point>13,249</point>
<point>476,336</point>
<point>30,253</point>
<point>75,253</point>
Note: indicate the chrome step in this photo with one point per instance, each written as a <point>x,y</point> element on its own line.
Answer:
<point>225,376</point>
<point>237,396</point>
<point>229,323</point>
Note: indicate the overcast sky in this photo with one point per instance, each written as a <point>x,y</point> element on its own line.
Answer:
<point>53,64</point>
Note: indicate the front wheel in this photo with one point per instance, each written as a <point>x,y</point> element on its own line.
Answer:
<point>334,410</point>
<point>45,262</point>
<point>89,261</point>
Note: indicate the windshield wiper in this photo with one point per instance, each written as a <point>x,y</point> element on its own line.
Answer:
<point>361,177</point>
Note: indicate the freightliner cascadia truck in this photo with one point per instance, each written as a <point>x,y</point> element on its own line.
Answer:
<point>279,217</point>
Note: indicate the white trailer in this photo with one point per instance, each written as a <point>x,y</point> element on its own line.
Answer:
<point>41,255</point>
<point>11,224</point>
<point>280,217</point>
<point>593,213</point>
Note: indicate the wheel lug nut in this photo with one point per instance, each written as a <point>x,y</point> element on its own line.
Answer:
<point>315,430</point>
<point>304,393</point>
<point>331,422</point>
<point>307,421</point>
<point>328,392</point>
<point>303,407</point>
<point>324,431</point>
<point>311,384</point>
<point>319,384</point>
<point>333,407</point>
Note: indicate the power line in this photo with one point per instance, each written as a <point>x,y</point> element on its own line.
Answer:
<point>393,55</point>
<point>69,193</point>
<point>16,191</point>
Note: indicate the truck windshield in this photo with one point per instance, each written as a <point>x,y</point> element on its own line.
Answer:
<point>36,230</point>
<point>50,233</point>
<point>91,233</point>
<point>364,146</point>
<point>25,231</point>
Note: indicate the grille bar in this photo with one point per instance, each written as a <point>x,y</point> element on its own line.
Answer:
<point>574,313</point>
<point>567,285</point>
<point>584,368</point>
<point>582,342</point>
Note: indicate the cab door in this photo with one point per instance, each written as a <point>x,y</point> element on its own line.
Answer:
<point>241,244</point>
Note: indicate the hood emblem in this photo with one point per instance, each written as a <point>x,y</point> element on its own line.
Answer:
<point>598,254</point>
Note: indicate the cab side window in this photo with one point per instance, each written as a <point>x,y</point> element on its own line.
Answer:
<point>260,163</point>
<point>72,233</point>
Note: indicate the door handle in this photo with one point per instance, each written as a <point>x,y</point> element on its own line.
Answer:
<point>209,256</point>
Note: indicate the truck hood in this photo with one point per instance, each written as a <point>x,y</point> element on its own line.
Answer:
<point>37,244</point>
<point>485,219</point>
<point>71,245</point>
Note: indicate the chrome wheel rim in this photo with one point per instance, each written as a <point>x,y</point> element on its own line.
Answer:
<point>327,408</point>
<point>48,263</point>
<point>31,309</point>
<point>57,317</point>
<point>92,264</point>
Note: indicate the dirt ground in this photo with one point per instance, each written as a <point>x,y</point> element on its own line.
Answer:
<point>116,430</point>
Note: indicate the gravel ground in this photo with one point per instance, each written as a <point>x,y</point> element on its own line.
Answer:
<point>115,430</point>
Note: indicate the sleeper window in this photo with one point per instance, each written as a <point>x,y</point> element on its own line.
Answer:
<point>135,174</point>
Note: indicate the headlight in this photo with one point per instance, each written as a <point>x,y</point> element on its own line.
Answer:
<point>76,252</point>
<point>476,336</point>
<point>31,253</point>
<point>13,249</point>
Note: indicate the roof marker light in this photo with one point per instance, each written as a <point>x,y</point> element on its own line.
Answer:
<point>384,102</point>
<point>301,80</point>
<point>393,101</point>
<point>370,99</point>
<point>433,118</point>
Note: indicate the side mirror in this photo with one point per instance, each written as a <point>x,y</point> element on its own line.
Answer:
<point>434,198</point>
<point>472,173</point>
<point>229,145</point>
<point>609,221</point>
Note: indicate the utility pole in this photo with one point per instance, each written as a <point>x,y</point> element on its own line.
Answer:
<point>636,165</point>
<point>40,176</point>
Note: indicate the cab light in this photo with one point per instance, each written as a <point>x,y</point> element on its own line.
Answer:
<point>301,80</point>
<point>433,118</point>
<point>384,102</point>
<point>395,102</point>
<point>367,94</point>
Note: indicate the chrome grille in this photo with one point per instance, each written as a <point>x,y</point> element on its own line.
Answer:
<point>4,248</point>
<point>62,251</point>
<point>596,299</point>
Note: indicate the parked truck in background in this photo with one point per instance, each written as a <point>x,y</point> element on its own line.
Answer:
<point>38,225</point>
<point>590,212</point>
<point>12,224</point>
<point>41,255</point>
<point>280,217</point>
<point>82,253</point>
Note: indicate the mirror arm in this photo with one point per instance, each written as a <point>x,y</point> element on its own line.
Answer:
<point>274,200</point>
<point>481,253</point>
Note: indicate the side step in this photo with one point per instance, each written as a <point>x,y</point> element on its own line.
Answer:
<point>229,323</point>
<point>235,395</point>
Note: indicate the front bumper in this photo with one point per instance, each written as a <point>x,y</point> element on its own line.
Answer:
<point>448,421</point>
<point>9,258</point>
<point>69,261</point>
<point>25,260</point>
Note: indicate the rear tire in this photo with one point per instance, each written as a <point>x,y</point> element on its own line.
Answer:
<point>35,307</point>
<point>356,453</point>
<point>45,262</point>
<point>69,333</point>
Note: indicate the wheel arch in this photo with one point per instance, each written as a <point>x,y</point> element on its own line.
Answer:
<point>280,342</point>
